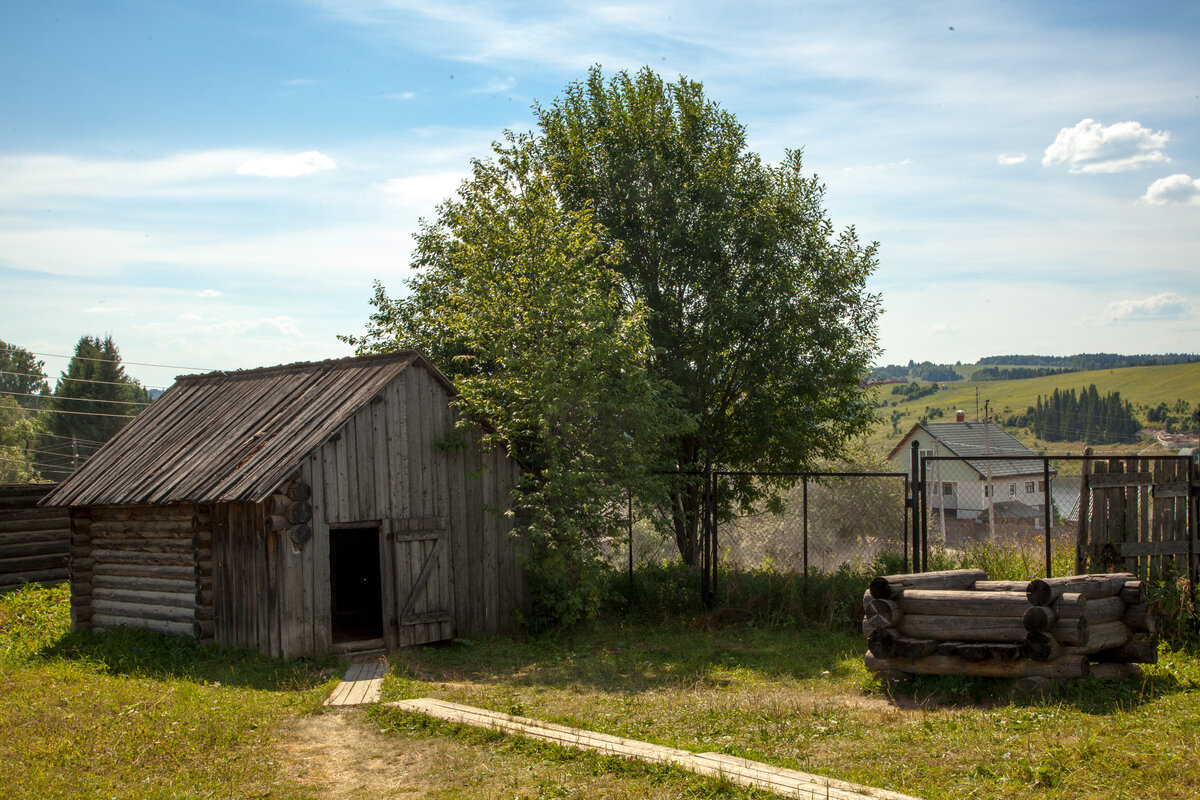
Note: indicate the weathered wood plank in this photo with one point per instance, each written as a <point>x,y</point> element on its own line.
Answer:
<point>787,783</point>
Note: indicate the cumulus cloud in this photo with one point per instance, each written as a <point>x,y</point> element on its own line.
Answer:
<point>292,166</point>
<point>1006,159</point>
<point>1165,306</point>
<point>1092,147</point>
<point>423,191</point>
<point>1172,189</point>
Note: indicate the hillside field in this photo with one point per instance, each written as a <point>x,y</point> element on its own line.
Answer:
<point>1144,387</point>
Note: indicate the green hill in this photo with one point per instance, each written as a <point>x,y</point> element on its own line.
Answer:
<point>1144,387</point>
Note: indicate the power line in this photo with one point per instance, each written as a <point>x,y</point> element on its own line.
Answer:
<point>115,361</point>
<point>75,413</point>
<point>77,380</point>
<point>79,399</point>
<point>68,438</point>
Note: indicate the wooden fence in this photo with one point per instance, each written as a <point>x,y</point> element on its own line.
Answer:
<point>1139,515</point>
<point>35,543</point>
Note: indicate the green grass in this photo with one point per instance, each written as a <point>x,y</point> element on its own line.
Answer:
<point>139,715</point>
<point>134,714</point>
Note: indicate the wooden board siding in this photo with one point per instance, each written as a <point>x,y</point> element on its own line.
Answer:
<point>394,466</point>
<point>136,566</point>
<point>35,543</point>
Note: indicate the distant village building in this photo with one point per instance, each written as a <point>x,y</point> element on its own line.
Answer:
<point>296,510</point>
<point>1011,492</point>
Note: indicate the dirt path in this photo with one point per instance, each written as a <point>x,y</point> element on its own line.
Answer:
<point>343,755</point>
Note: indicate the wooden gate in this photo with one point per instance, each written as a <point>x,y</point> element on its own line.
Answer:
<point>1139,515</point>
<point>419,599</point>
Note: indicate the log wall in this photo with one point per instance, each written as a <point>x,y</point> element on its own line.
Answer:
<point>35,543</point>
<point>136,566</point>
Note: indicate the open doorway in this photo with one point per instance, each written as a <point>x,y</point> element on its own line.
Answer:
<point>356,599</point>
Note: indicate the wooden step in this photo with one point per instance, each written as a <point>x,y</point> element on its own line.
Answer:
<point>360,685</point>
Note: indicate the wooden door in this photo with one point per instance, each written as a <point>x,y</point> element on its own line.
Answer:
<point>422,604</point>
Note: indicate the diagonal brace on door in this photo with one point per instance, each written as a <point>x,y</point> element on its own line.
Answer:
<point>422,579</point>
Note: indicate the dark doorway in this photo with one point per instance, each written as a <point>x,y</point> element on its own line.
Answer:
<point>355,597</point>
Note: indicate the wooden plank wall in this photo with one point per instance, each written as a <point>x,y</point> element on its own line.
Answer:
<point>247,569</point>
<point>397,464</point>
<point>136,566</point>
<point>35,543</point>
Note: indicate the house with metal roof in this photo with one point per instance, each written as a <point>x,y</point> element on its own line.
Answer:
<point>967,486</point>
<point>296,510</point>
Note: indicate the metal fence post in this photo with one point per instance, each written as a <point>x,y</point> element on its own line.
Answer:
<point>915,487</point>
<point>907,505</point>
<point>805,479</point>
<point>1047,502</point>
<point>629,520</point>
<point>924,521</point>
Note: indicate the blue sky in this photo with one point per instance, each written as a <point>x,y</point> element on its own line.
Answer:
<point>217,184</point>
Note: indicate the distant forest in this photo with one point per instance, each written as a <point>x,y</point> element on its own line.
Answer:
<point>1016,367</point>
<point>1065,416</point>
<point>1086,361</point>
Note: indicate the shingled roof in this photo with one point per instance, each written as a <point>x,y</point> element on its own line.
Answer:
<point>967,439</point>
<point>231,436</point>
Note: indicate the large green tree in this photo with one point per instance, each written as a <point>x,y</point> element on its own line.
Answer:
<point>517,299</point>
<point>22,374</point>
<point>92,400</point>
<point>756,306</point>
<point>22,389</point>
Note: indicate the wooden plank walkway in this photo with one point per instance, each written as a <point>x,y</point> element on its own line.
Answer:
<point>360,684</point>
<point>784,782</point>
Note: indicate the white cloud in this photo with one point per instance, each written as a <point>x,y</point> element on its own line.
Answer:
<point>423,191</point>
<point>292,166</point>
<point>104,310</point>
<point>1172,189</point>
<point>1005,159</point>
<point>1165,306</point>
<point>398,96</point>
<point>210,293</point>
<point>496,86</point>
<point>1092,147</point>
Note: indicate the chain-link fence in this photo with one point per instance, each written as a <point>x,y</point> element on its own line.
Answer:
<point>824,521</point>
<point>1015,516</point>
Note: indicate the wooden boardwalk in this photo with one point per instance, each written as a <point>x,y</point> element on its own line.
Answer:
<point>784,782</point>
<point>360,685</point>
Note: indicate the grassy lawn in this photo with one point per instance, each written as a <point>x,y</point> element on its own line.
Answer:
<point>123,715</point>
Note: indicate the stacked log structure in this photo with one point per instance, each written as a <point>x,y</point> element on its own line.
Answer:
<point>959,622</point>
<point>35,542</point>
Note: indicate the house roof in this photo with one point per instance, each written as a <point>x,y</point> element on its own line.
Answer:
<point>231,436</point>
<point>967,439</point>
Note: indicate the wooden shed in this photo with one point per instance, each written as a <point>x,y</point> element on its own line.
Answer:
<point>296,510</point>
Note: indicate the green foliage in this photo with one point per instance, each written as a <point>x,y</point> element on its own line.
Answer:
<point>22,373</point>
<point>517,297</point>
<point>20,429</point>
<point>756,307</point>
<point>625,290</point>
<point>915,391</point>
<point>95,399</point>
<point>1086,417</point>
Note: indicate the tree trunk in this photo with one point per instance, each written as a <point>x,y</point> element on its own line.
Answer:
<point>685,513</point>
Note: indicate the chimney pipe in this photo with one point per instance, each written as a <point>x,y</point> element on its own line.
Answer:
<point>960,416</point>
